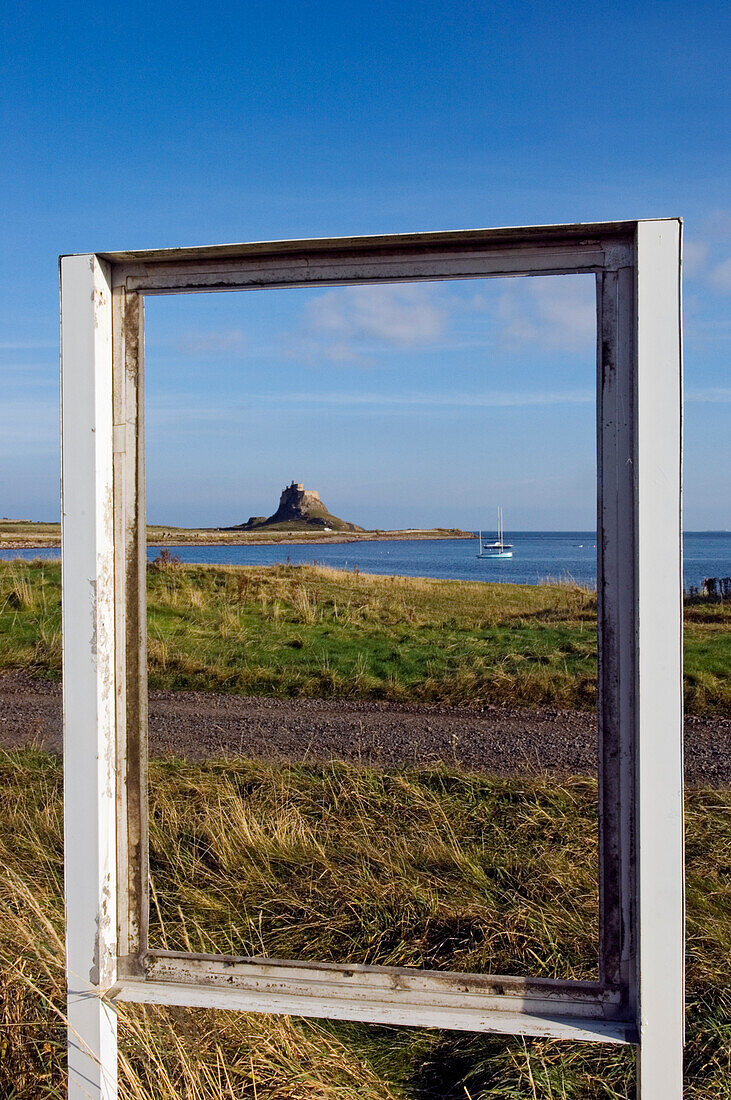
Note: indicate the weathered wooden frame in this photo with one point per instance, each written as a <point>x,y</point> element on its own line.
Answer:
<point>638,997</point>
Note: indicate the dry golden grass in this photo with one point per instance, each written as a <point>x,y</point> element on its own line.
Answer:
<point>165,1053</point>
<point>203,1055</point>
<point>412,867</point>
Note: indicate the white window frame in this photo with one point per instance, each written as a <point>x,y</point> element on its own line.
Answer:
<point>638,997</point>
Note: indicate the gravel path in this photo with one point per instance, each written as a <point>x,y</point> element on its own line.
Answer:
<point>497,740</point>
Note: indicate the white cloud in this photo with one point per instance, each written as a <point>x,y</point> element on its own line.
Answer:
<point>695,256</point>
<point>706,256</point>
<point>338,351</point>
<point>718,395</point>
<point>720,276</point>
<point>225,342</point>
<point>186,411</point>
<point>556,312</point>
<point>398,315</point>
<point>449,399</point>
<point>190,414</point>
<point>26,345</point>
<point>348,324</point>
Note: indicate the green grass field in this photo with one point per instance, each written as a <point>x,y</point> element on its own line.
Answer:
<point>433,867</point>
<point>305,631</point>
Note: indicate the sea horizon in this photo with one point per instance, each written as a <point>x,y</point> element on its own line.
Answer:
<point>566,556</point>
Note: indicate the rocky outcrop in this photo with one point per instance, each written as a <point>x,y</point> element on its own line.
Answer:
<point>299,507</point>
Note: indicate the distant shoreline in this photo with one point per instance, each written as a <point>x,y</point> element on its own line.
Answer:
<point>49,538</point>
<point>172,537</point>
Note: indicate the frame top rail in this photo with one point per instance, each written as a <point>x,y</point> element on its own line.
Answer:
<point>574,234</point>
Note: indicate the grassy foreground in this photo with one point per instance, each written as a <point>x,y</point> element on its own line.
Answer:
<point>199,845</point>
<point>435,868</point>
<point>308,631</point>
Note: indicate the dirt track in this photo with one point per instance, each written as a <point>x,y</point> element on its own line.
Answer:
<point>497,740</point>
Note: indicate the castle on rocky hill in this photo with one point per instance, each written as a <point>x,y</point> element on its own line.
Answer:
<point>296,492</point>
<point>299,508</point>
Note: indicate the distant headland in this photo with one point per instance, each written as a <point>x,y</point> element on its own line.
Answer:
<point>301,517</point>
<point>299,508</point>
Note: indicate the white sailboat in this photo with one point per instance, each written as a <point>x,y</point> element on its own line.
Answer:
<point>499,548</point>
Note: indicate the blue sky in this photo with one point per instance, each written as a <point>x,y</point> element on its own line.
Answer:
<point>194,124</point>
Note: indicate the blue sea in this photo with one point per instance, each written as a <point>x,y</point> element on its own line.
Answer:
<point>537,556</point>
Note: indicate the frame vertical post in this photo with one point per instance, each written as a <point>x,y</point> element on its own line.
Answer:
<point>616,579</point>
<point>659,758</point>
<point>88,675</point>
<point>131,626</point>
